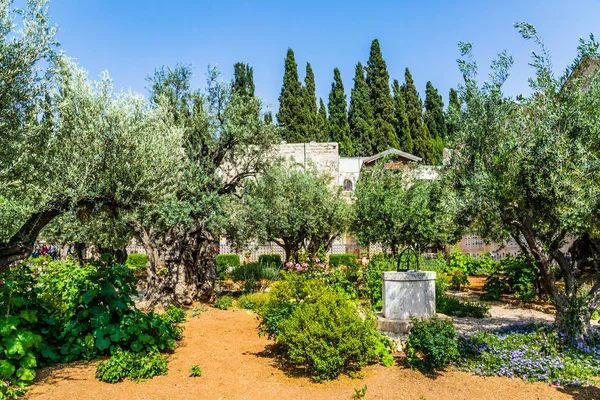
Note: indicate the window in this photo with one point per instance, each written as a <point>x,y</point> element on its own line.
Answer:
<point>347,185</point>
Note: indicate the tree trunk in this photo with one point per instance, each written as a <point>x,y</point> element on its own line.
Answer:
<point>190,261</point>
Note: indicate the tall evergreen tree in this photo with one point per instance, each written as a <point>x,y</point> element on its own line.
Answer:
<point>435,121</point>
<point>455,104</point>
<point>402,126</point>
<point>338,116</point>
<point>310,105</point>
<point>360,115</point>
<point>384,120</point>
<point>243,79</point>
<point>323,130</point>
<point>422,143</point>
<point>289,116</point>
<point>268,118</point>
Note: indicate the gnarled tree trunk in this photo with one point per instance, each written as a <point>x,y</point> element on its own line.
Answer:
<point>190,261</point>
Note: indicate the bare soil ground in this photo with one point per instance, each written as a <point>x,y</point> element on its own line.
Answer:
<point>237,364</point>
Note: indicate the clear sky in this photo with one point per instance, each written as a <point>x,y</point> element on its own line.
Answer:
<point>130,38</point>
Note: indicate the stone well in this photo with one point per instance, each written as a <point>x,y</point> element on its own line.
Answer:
<point>406,294</point>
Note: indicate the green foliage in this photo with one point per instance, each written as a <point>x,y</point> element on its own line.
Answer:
<point>405,141</point>
<point>458,267</point>
<point>348,260</point>
<point>360,115</point>
<point>382,103</point>
<point>131,365</point>
<point>360,393</point>
<point>460,308</point>
<point>223,302</point>
<point>243,80</point>
<point>328,337</point>
<point>434,119</point>
<point>137,261</point>
<point>8,391</point>
<point>322,124</point>
<point>274,259</point>
<point>309,102</point>
<point>289,116</point>
<point>338,118</point>
<point>196,311</point>
<point>64,313</point>
<point>224,262</point>
<point>195,371</point>
<point>422,143</point>
<point>372,279</point>
<point>514,275</point>
<point>432,343</point>
<point>398,209</point>
<point>253,301</point>
<point>252,274</point>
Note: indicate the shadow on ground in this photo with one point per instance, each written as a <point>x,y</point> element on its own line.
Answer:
<point>581,393</point>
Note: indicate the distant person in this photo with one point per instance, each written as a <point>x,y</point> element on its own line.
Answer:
<point>44,250</point>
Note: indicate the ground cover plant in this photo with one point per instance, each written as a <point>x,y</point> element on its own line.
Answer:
<point>253,301</point>
<point>128,365</point>
<point>533,352</point>
<point>223,302</point>
<point>64,312</point>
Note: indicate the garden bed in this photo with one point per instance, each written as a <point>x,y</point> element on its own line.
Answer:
<point>237,364</point>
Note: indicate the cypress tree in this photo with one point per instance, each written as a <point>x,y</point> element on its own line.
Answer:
<point>323,130</point>
<point>435,121</point>
<point>453,104</point>
<point>384,120</point>
<point>338,117</point>
<point>422,143</point>
<point>268,118</point>
<point>243,80</point>
<point>402,126</point>
<point>360,115</point>
<point>289,116</point>
<point>310,105</point>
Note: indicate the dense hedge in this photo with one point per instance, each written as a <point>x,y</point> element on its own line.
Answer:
<point>137,261</point>
<point>349,259</point>
<point>270,259</point>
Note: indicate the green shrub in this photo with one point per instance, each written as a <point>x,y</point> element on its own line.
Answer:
<point>494,287</point>
<point>253,301</point>
<point>136,261</point>
<point>292,290</point>
<point>273,259</point>
<point>349,260</point>
<point>8,391</point>
<point>224,262</point>
<point>372,279</point>
<point>224,302</point>
<point>195,371</point>
<point>328,337</point>
<point>134,366</point>
<point>435,264</point>
<point>64,313</point>
<point>432,343</point>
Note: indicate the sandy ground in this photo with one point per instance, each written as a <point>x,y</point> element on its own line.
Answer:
<point>237,364</point>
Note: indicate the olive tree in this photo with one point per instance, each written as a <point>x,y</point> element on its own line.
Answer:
<point>224,141</point>
<point>296,208</point>
<point>395,208</point>
<point>529,168</point>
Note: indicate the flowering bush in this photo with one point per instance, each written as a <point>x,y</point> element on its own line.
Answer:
<point>533,352</point>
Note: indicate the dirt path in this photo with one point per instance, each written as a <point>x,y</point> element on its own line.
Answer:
<point>236,364</point>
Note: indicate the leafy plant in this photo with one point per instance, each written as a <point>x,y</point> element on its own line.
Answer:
<point>225,262</point>
<point>431,344</point>
<point>253,301</point>
<point>360,393</point>
<point>273,259</point>
<point>136,261</point>
<point>372,279</point>
<point>195,371</point>
<point>252,274</point>
<point>8,391</point>
<point>460,308</point>
<point>494,287</point>
<point>196,311</point>
<point>328,337</point>
<point>134,366</point>
<point>224,302</point>
<point>349,260</point>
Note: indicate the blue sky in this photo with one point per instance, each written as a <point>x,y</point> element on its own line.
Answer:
<point>130,38</point>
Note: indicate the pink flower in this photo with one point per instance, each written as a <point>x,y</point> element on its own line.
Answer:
<point>298,267</point>
<point>317,259</point>
<point>322,265</point>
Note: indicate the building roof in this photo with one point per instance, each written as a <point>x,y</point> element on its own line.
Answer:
<point>392,151</point>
